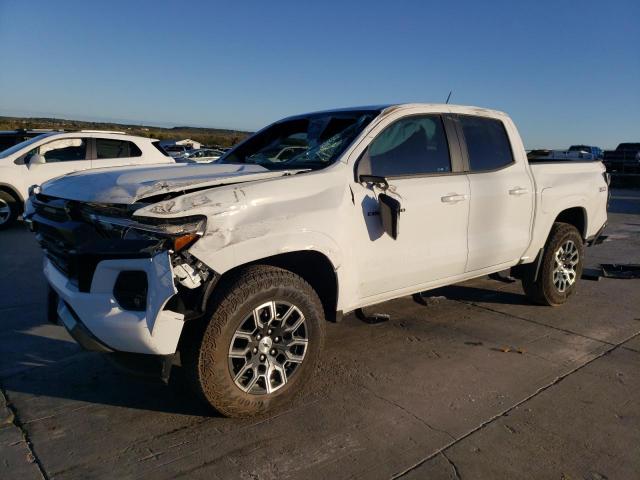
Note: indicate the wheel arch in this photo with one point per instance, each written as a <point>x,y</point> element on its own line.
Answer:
<point>313,266</point>
<point>576,216</point>
<point>14,193</point>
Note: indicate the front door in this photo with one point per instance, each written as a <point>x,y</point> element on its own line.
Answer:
<point>414,155</point>
<point>61,156</point>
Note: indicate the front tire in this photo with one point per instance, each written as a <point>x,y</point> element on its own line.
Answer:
<point>560,269</point>
<point>260,345</point>
<point>8,210</point>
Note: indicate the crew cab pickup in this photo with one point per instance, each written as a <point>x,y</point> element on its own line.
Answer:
<point>231,269</point>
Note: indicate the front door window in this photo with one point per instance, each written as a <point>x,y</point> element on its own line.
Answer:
<point>64,150</point>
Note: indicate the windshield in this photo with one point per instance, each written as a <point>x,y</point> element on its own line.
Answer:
<point>314,141</point>
<point>21,145</point>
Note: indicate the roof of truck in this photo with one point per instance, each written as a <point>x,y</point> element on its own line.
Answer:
<point>390,107</point>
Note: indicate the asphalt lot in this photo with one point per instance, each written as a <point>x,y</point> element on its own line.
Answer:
<point>478,384</point>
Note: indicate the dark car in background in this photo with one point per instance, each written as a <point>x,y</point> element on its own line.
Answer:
<point>9,138</point>
<point>624,159</point>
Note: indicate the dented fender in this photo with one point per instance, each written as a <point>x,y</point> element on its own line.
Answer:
<point>241,249</point>
<point>250,221</point>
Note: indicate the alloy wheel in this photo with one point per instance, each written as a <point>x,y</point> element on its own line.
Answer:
<point>5,211</point>
<point>268,348</point>
<point>565,266</point>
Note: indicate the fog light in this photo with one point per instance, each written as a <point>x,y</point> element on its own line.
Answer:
<point>130,290</point>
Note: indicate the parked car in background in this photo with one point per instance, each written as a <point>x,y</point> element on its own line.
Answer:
<point>233,267</point>
<point>281,152</point>
<point>624,159</point>
<point>9,138</point>
<point>288,152</point>
<point>176,150</point>
<point>589,150</point>
<point>53,154</point>
<point>575,152</point>
<point>201,155</point>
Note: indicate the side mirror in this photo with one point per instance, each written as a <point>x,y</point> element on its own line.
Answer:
<point>390,214</point>
<point>36,159</point>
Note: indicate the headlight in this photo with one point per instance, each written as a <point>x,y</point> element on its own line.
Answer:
<point>176,233</point>
<point>34,190</point>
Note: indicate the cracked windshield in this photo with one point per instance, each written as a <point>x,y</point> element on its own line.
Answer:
<point>309,142</point>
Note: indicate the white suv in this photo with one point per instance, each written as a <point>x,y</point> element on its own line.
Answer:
<point>51,155</point>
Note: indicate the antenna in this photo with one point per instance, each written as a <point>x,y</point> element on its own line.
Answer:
<point>449,96</point>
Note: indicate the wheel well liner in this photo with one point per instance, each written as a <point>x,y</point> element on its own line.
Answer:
<point>575,216</point>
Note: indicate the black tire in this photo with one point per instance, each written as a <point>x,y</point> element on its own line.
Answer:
<point>543,290</point>
<point>205,350</point>
<point>8,201</point>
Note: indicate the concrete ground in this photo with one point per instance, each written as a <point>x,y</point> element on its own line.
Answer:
<point>477,384</point>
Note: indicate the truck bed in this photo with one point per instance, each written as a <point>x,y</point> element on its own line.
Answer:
<point>571,183</point>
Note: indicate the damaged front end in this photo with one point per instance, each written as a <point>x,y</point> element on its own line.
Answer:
<point>127,283</point>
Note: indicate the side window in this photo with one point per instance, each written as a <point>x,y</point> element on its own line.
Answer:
<point>411,146</point>
<point>109,148</point>
<point>487,143</point>
<point>64,150</point>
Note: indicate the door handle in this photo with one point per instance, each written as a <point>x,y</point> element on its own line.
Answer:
<point>453,198</point>
<point>518,191</point>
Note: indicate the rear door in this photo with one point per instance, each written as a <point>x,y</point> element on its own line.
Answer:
<point>501,204</point>
<point>111,152</point>
<point>420,159</point>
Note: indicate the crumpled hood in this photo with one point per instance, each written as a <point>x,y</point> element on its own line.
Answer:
<point>130,184</point>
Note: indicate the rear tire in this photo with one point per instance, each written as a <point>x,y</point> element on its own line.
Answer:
<point>9,210</point>
<point>560,268</point>
<point>237,360</point>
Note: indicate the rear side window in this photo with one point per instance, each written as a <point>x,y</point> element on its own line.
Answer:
<point>109,148</point>
<point>488,145</point>
<point>411,146</point>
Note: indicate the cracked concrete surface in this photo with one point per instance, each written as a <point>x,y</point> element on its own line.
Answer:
<point>16,454</point>
<point>478,384</point>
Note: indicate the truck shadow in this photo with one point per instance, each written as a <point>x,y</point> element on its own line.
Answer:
<point>473,294</point>
<point>86,377</point>
<point>59,372</point>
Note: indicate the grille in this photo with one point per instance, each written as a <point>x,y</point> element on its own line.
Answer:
<point>57,249</point>
<point>57,232</point>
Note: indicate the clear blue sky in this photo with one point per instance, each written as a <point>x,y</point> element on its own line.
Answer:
<point>567,71</point>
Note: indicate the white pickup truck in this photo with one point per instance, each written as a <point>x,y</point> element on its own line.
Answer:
<point>231,269</point>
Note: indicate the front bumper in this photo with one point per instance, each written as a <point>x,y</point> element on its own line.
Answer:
<point>98,322</point>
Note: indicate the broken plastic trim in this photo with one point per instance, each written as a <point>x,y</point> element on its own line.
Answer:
<point>621,271</point>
